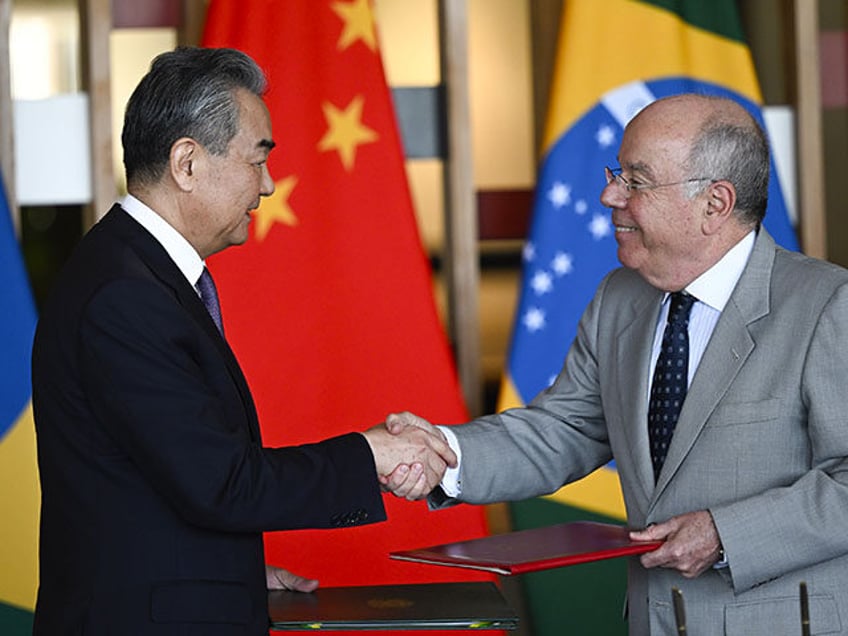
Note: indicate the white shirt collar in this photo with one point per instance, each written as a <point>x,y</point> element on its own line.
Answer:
<point>179,249</point>
<point>715,286</point>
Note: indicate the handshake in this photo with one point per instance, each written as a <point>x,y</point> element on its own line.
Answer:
<point>411,455</point>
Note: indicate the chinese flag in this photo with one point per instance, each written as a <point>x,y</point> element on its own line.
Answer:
<point>329,305</point>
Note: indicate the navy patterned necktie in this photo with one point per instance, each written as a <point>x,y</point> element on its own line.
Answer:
<point>209,296</point>
<point>668,389</point>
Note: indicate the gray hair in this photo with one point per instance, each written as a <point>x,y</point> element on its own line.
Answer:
<point>188,92</point>
<point>734,150</point>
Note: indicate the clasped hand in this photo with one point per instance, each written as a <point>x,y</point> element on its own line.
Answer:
<point>411,455</point>
<point>690,543</point>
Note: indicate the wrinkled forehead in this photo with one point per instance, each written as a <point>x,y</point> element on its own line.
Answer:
<point>652,143</point>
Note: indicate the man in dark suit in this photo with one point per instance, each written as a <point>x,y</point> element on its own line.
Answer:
<point>155,484</point>
<point>747,485</point>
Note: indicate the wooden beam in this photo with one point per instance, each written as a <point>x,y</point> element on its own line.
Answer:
<point>811,194</point>
<point>95,26</point>
<point>544,25</point>
<point>463,270</point>
<point>7,137</point>
<point>190,30</point>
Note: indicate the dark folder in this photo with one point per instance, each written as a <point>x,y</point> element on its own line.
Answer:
<point>416,606</point>
<point>535,549</point>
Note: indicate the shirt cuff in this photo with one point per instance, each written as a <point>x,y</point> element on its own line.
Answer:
<point>450,481</point>
<point>722,560</point>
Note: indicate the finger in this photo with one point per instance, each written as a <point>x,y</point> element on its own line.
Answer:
<point>406,419</point>
<point>448,456</point>
<point>414,487</point>
<point>428,446</point>
<point>653,559</point>
<point>394,423</point>
<point>641,535</point>
<point>654,532</point>
<point>404,479</point>
<point>396,478</point>
<point>414,473</point>
<point>420,490</point>
<point>280,579</point>
<point>302,584</point>
<point>434,471</point>
<point>440,446</point>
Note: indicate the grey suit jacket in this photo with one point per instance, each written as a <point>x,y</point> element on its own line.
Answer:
<point>761,442</point>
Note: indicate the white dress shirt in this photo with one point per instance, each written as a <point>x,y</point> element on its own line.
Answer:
<point>179,249</point>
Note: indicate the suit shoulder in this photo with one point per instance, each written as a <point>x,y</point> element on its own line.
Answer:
<point>795,268</point>
<point>624,281</point>
<point>109,253</point>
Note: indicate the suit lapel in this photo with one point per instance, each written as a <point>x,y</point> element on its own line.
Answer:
<point>728,349</point>
<point>151,252</point>
<point>633,357</point>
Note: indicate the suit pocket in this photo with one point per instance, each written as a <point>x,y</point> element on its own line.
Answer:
<point>771,617</point>
<point>734,414</point>
<point>200,602</point>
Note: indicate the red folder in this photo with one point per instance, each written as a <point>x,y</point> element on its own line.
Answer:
<point>535,549</point>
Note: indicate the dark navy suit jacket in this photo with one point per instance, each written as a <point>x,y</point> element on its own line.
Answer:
<point>155,484</point>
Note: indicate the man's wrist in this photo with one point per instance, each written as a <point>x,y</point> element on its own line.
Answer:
<point>451,484</point>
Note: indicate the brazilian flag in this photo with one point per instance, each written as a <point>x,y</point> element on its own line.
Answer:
<point>614,57</point>
<point>19,492</point>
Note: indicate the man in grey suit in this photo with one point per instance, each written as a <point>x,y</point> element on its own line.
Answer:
<point>752,496</point>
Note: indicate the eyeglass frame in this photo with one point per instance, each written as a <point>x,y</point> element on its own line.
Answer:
<point>614,175</point>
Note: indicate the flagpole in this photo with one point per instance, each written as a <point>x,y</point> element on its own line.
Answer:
<point>95,27</point>
<point>7,137</point>
<point>462,270</point>
<point>810,144</point>
<point>191,25</point>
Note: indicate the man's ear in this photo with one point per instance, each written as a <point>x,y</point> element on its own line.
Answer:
<point>185,152</point>
<point>721,202</point>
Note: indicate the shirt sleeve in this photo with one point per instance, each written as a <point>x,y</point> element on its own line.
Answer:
<point>450,482</point>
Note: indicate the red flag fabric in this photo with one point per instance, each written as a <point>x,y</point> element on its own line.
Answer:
<point>329,305</point>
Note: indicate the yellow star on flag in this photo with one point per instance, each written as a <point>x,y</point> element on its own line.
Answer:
<point>275,208</point>
<point>346,130</point>
<point>359,24</point>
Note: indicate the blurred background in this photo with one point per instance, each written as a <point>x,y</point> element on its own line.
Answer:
<point>67,68</point>
<point>54,64</point>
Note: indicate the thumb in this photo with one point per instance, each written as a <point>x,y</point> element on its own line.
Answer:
<point>395,423</point>
<point>652,533</point>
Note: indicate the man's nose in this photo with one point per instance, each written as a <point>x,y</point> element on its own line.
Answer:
<point>267,186</point>
<point>613,195</point>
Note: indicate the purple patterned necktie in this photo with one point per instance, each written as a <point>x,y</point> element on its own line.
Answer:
<point>209,296</point>
<point>668,389</point>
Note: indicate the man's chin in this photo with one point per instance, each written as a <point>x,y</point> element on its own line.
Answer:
<point>625,257</point>
<point>240,237</point>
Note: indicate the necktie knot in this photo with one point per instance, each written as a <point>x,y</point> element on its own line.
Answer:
<point>209,297</point>
<point>681,306</point>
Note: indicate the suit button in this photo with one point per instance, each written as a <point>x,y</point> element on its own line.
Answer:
<point>350,518</point>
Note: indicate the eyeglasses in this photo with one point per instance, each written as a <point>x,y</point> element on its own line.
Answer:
<point>614,175</point>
